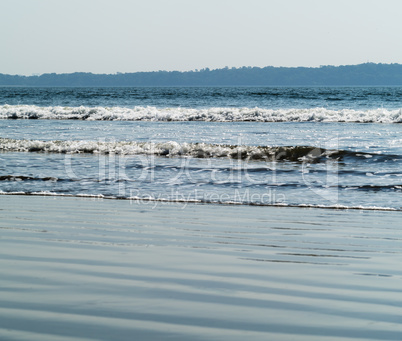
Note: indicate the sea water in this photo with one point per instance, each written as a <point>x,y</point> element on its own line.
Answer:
<point>317,147</point>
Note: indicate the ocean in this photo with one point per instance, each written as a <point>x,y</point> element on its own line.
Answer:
<point>200,214</point>
<point>328,147</point>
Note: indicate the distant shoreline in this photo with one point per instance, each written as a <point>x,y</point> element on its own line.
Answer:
<point>368,74</point>
<point>202,86</point>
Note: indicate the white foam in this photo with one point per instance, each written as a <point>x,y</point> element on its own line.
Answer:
<point>139,113</point>
<point>169,149</point>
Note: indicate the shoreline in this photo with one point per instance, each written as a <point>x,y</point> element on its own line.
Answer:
<point>185,202</point>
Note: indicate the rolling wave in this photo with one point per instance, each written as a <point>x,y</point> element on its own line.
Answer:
<point>216,114</point>
<point>196,150</point>
<point>27,178</point>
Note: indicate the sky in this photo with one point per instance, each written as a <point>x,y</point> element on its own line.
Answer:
<point>99,36</point>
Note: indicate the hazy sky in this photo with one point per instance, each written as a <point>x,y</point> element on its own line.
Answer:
<point>108,36</point>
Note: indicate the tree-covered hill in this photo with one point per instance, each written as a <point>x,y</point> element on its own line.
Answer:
<point>368,74</point>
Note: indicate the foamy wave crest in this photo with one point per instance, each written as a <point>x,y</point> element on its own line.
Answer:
<point>209,114</point>
<point>197,150</point>
<point>168,149</point>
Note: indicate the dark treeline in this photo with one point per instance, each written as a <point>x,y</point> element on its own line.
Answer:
<point>368,74</point>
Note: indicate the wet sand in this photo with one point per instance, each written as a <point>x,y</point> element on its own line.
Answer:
<point>82,269</point>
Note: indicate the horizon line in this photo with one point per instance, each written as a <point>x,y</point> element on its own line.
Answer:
<point>199,70</point>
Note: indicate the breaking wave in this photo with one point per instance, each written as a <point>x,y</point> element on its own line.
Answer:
<point>26,178</point>
<point>140,113</point>
<point>196,150</point>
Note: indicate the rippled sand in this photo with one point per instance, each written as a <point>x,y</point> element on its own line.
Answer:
<point>82,269</point>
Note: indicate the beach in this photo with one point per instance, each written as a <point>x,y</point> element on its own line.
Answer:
<point>199,171</point>
<point>97,269</point>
